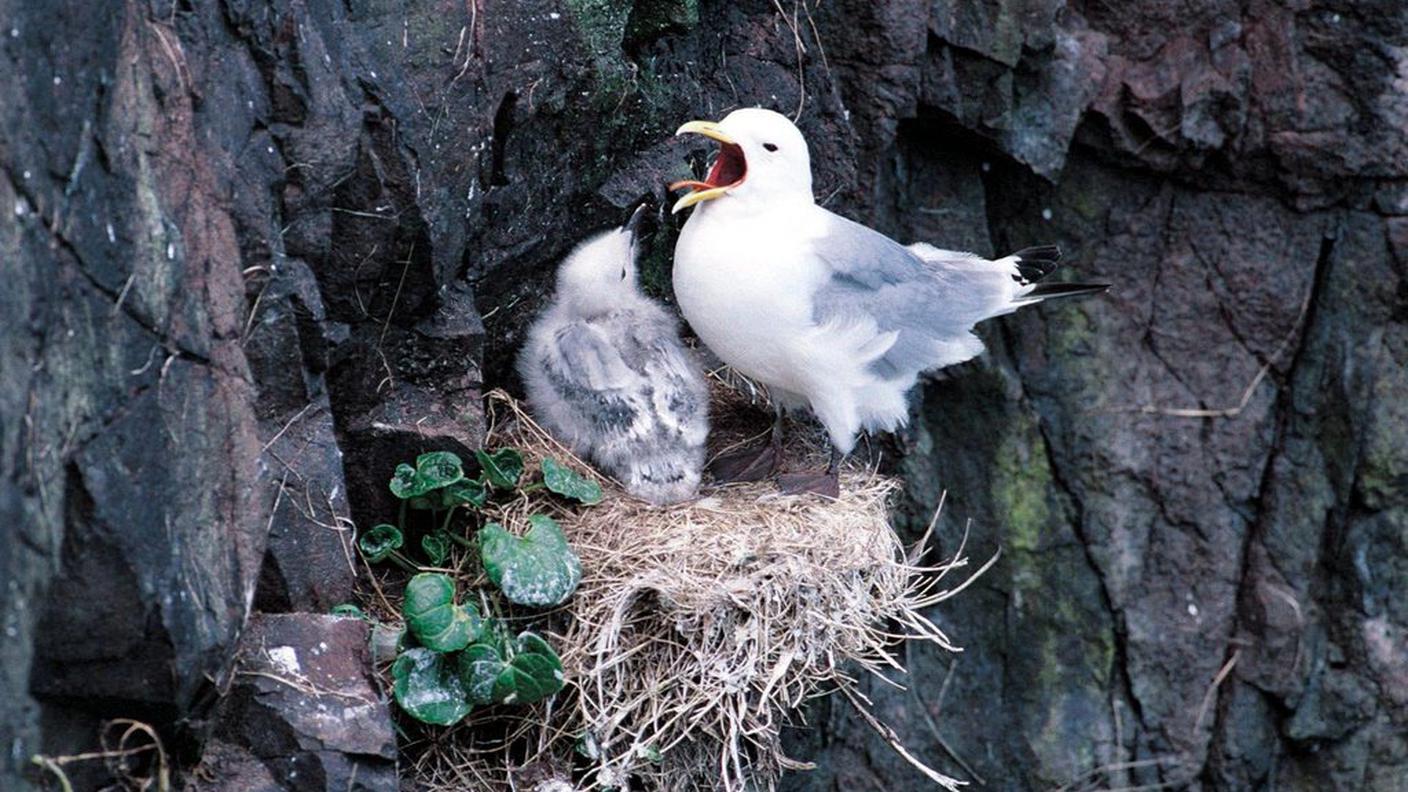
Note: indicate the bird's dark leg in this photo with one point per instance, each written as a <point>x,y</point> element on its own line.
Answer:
<point>751,464</point>
<point>827,483</point>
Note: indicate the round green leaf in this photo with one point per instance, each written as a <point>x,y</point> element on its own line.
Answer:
<point>469,492</point>
<point>434,618</point>
<point>538,569</point>
<point>569,483</point>
<point>531,673</point>
<point>502,468</point>
<point>439,469</point>
<point>436,547</point>
<point>427,686</point>
<point>378,543</point>
<point>406,482</point>
<point>480,666</point>
<point>466,492</point>
<point>534,673</point>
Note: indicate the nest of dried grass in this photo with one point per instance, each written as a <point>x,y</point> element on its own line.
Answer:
<point>699,631</point>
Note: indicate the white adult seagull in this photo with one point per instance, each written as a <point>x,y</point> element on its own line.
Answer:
<point>825,312</point>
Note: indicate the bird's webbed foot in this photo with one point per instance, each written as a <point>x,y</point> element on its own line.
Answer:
<point>751,464</point>
<point>748,464</point>
<point>826,483</point>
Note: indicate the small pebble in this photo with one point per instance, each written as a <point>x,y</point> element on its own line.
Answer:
<point>1046,214</point>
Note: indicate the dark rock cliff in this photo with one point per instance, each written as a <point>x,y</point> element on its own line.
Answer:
<point>254,251</point>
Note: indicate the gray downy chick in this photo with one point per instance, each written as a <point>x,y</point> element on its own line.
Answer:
<point>606,373</point>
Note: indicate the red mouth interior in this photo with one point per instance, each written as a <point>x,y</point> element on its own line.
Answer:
<point>730,168</point>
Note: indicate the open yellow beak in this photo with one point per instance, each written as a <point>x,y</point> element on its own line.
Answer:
<point>698,196</point>
<point>703,191</point>
<point>708,129</point>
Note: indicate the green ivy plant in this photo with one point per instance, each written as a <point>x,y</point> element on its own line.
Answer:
<point>433,471</point>
<point>427,685</point>
<point>437,484</point>
<point>463,660</point>
<point>502,468</point>
<point>538,569</point>
<point>381,543</point>
<point>436,546</point>
<point>568,483</point>
<point>520,671</point>
<point>453,656</point>
<point>433,617</point>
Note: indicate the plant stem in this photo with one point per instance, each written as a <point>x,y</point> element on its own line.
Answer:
<point>484,603</point>
<point>445,526</point>
<point>403,562</point>
<point>534,487</point>
<point>460,540</point>
<point>401,518</point>
<point>53,767</point>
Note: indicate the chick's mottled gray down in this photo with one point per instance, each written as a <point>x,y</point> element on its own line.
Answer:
<point>606,373</point>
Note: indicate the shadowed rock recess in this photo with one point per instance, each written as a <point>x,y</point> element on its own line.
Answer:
<point>257,251</point>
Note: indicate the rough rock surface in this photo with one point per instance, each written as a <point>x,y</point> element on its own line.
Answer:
<point>304,712</point>
<point>1208,599</point>
<point>133,531</point>
<point>248,245</point>
<point>309,563</point>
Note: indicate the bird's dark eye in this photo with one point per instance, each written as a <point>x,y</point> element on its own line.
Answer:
<point>623,273</point>
<point>770,147</point>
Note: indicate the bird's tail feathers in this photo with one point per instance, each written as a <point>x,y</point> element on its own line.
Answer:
<point>1035,263</point>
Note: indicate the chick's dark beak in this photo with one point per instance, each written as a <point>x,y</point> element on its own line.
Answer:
<point>633,224</point>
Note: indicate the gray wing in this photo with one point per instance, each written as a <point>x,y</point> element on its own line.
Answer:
<point>930,298</point>
<point>680,396</point>
<point>643,397</point>
<point>591,378</point>
<point>629,377</point>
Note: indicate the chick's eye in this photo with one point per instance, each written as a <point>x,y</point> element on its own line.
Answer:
<point>623,273</point>
<point>770,147</point>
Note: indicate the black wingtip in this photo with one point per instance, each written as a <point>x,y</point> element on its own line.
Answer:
<point>1035,263</point>
<point>1050,253</point>
<point>1050,291</point>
